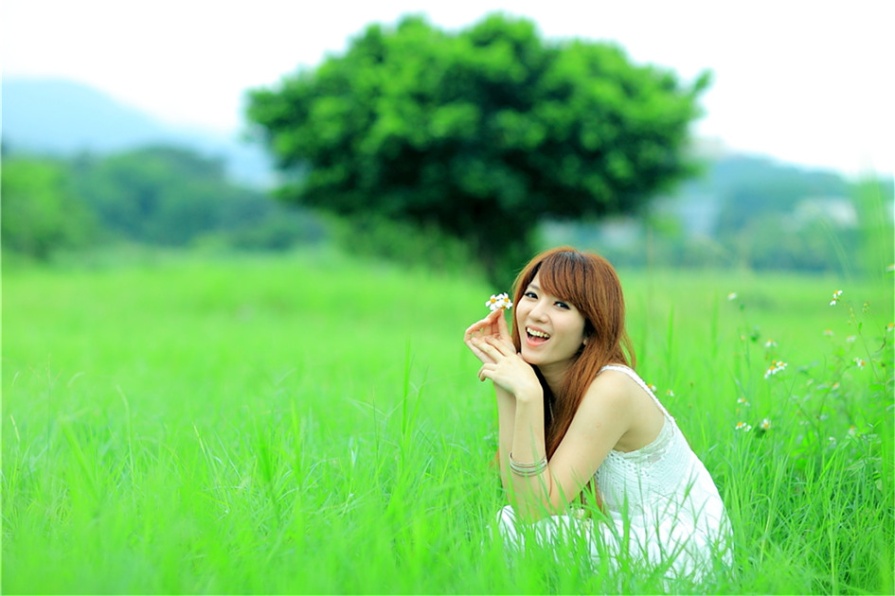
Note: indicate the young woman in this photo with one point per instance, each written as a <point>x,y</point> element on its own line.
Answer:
<point>575,420</point>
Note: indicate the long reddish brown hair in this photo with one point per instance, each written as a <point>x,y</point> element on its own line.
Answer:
<point>588,282</point>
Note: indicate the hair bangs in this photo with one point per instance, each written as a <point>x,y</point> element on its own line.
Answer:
<point>565,274</point>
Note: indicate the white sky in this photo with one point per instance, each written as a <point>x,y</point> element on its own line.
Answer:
<point>809,82</point>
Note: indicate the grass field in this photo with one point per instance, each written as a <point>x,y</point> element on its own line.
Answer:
<point>312,423</point>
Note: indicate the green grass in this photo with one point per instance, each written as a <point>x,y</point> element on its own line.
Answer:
<point>312,423</point>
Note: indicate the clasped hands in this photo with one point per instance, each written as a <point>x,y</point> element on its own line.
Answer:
<point>490,341</point>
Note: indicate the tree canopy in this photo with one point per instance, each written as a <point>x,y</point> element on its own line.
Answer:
<point>480,133</point>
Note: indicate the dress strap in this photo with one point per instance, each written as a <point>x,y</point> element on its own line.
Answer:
<point>630,372</point>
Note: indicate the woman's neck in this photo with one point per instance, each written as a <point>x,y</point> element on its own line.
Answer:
<point>554,375</point>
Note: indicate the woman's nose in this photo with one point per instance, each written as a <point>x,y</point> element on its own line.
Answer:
<point>538,312</point>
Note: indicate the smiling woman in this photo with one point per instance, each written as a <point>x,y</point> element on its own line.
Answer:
<point>578,425</point>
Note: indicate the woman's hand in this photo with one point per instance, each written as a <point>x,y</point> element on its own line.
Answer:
<point>490,340</point>
<point>494,326</point>
<point>507,369</point>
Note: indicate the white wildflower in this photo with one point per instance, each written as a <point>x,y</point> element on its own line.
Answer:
<point>499,302</point>
<point>836,296</point>
<point>776,366</point>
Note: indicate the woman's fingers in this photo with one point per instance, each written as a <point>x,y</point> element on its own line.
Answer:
<point>472,329</point>
<point>502,329</point>
<point>485,326</point>
<point>486,371</point>
<point>472,345</point>
<point>489,338</point>
<point>485,348</point>
<point>501,346</point>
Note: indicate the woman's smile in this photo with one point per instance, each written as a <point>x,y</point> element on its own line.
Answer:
<point>535,336</point>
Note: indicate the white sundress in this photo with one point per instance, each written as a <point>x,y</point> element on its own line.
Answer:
<point>661,504</point>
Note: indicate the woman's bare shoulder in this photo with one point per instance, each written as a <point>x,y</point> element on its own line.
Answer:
<point>619,391</point>
<point>613,382</point>
<point>610,388</point>
<point>631,402</point>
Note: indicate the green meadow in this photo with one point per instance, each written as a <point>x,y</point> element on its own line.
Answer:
<point>312,423</point>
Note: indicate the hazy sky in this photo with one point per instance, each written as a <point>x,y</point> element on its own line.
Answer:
<point>806,82</point>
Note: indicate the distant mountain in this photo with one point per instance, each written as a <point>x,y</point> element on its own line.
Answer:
<point>64,117</point>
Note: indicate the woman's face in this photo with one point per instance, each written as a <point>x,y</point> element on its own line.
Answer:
<point>551,330</point>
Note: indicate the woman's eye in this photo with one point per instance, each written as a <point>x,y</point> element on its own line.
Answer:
<point>530,295</point>
<point>562,305</point>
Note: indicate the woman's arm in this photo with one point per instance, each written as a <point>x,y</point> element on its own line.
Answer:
<point>603,416</point>
<point>495,326</point>
<point>506,420</point>
<point>530,493</point>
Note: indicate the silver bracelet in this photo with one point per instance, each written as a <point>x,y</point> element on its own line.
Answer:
<point>527,470</point>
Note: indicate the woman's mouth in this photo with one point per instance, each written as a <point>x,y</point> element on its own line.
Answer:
<point>536,336</point>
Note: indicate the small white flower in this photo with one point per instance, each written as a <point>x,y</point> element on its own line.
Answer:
<point>732,296</point>
<point>770,344</point>
<point>860,363</point>
<point>743,402</point>
<point>743,426</point>
<point>765,424</point>
<point>828,333</point>
<point>499,302</point>
<point>890,268</point>
<point>836,296</point>
<point>776,366</point>
<point>669,393</point>
<point>851,339</point>
<point>652,387</point>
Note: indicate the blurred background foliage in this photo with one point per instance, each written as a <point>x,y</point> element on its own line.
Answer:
<point>151,196</point>
<point>463,152</point>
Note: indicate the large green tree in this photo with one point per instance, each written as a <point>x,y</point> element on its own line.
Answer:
<point>480,133</point>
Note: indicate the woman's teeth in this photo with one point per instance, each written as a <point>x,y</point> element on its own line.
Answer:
<point>536,333</point>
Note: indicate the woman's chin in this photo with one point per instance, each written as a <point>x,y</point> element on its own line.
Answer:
<point>530,357</point>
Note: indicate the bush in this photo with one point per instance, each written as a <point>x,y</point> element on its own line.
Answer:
<point>41,213</point>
